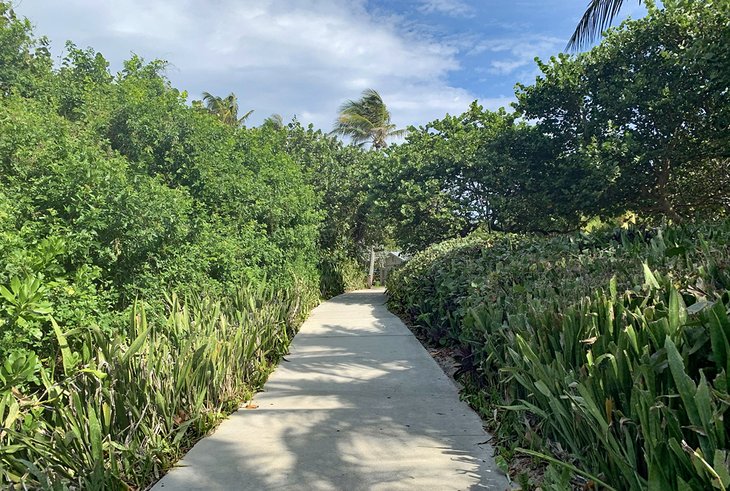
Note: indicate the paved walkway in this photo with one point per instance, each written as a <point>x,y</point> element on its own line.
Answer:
<point>359,405</point>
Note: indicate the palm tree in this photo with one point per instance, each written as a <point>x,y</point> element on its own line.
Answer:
<point>276,121</point>
<point>598,16</point>
<point>225,108</point>
<point>366,120</point>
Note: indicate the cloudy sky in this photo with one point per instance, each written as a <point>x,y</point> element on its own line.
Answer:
<point>305,57</point>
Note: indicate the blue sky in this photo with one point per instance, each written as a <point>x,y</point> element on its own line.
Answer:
<point>305,57</point>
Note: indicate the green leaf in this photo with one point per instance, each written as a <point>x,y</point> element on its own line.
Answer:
<point>719,327</point>
<point>180,433</point>
<point>649,277</point>
<point>721,463</point>
<point>96,373</point>
<point>566,465</point>
<point>13,414</point>
<point>698,307</point>
<point>135,346</point>
<point>95,435</point>
<point>69,361</point>
<point>677,312</point>
<point>685,385</point>
<point>7,295</point>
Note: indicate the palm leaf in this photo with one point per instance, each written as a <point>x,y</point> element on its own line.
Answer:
<point>366,120</point>
<point>598,16</point>
<point>226,109</point>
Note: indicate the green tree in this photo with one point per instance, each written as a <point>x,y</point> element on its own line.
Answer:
<point>366,120</point>
<point>25,62</point>
<point>225,108</point>
<point>481,169</point>
<point>645,113</point>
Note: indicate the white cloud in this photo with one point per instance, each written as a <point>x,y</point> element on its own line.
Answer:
<point>505,67</point>
<point>454,8</point>
<point>518,52</point>
<point>293,58</point>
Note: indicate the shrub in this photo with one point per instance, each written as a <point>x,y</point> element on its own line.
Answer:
<point>611,345</point>
<point>117,410</point>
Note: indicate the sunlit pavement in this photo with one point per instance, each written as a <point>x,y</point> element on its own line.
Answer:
<point>359,404</point>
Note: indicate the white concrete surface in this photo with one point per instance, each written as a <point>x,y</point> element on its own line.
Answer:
<point>359,405</point>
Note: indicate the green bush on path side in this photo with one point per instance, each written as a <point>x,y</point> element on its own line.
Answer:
<point>116,411</point>
<point>612,349</point>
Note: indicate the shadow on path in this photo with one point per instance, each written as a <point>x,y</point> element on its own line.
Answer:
<point>359,405</point>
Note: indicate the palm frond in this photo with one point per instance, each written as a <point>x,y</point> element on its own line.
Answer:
<point>226,109</point>
<point>398,133</point>
<point>212,103</point>
<point>365,120</point>
<point>598,16</point>
<point>275,120</point>
<point>243,118</point>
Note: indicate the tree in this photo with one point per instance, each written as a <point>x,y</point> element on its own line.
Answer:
<point>275,121</point>
<point>482,169</point>
<point>646,112</point>
<point>24,60</point>
<point>598,16</point>
<point>366,120</point>
<point>225,108</point>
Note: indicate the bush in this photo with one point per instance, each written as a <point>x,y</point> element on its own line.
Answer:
<point>117,199</point>
<point>339,275</point>
<point>611,345</point>
<point>118,409</point>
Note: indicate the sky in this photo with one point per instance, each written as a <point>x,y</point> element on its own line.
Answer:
<point>304,58</point>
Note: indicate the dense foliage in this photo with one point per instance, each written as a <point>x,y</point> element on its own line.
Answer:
<point>612,346</point>
<point>119,409</point>
<point>604,353</point>
<point>155,258</point>
<point>638,124</point>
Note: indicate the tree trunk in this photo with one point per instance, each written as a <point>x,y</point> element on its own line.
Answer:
<point>662,200</point>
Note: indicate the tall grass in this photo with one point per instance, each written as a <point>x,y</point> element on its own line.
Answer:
<point>606,353</point>
<point>115,411</point>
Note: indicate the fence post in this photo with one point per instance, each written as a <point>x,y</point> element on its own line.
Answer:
<point>371,274</point>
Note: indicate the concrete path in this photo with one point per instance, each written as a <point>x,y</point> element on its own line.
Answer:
<point>359,405</point>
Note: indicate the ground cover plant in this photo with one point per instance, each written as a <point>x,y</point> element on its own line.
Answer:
<point>606,350</point>
<point>598,348</point>
<point>119,409</point>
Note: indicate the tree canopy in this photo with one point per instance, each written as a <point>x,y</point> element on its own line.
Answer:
<point>638,124</point>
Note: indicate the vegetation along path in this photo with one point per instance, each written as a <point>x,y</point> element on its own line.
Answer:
<point>357,404</point>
